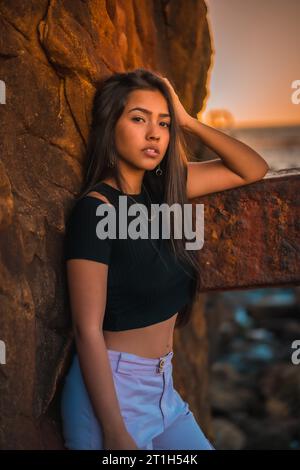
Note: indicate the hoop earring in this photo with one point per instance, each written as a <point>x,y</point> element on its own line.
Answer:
<point>158,171</point>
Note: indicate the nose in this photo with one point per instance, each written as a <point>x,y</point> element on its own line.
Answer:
<point>153,132</point>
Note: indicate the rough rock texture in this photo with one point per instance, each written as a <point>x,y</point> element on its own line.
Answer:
<point>51,53</point>
<point>251,234</point>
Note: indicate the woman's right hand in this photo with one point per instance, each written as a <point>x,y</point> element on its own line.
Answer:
<point>120,441</point>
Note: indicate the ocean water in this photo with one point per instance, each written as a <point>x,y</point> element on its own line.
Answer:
<point>279,146</point>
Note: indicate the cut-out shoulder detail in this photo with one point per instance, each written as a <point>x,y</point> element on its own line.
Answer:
<point>99,196</point>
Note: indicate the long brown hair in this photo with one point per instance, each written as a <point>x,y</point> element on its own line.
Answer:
<point>108,105</point>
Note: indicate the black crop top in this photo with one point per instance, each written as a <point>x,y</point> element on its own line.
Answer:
<point>146,284</point>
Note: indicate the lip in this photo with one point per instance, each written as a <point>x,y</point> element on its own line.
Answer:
<point>151,154</point>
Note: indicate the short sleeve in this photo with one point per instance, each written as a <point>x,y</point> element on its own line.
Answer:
<point>81,240</point>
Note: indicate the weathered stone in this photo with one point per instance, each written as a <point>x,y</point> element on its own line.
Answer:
<point>51,55</point>
<point>252,234</point>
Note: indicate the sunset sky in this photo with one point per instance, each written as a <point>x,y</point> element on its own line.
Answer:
<point>256,57</point>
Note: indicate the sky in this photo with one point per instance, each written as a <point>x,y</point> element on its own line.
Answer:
<point>256,57</point>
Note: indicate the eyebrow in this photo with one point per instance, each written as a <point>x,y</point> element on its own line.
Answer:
<point>146,111</point>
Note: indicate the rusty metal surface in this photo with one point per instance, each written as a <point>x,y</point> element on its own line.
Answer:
<point>251,235</point>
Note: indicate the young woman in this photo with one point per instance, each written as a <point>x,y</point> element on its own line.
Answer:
<point>127,294</point>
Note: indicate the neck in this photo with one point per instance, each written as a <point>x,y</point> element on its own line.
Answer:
<point>130,187</point>
<point>132,180</point>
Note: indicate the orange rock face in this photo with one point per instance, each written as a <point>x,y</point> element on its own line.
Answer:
<point>51,54</point>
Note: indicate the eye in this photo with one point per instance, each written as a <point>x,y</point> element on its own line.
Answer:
<point>138,117</point>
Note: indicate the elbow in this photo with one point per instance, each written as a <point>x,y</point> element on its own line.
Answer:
<point>265,169</point>
<point>259,174</point>
<point>263,173</point>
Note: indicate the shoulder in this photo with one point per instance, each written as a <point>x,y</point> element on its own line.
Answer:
<point>82,240</point>
<point>84,209</point>
<point>91,199</point>
<point>99,196</point>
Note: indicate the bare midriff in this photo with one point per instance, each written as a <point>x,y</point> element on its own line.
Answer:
<point>151,341</point>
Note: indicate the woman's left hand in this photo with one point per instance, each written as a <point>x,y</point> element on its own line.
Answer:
<point>182,116</point>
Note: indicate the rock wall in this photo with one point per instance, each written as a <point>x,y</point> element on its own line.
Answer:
<point>51,54</point>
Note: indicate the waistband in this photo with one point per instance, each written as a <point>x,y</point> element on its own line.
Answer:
<point>124,361</point>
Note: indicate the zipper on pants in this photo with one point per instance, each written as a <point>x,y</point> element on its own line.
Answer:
<point>160,402</point>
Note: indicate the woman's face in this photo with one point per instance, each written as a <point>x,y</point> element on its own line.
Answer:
<point>136,129</point>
